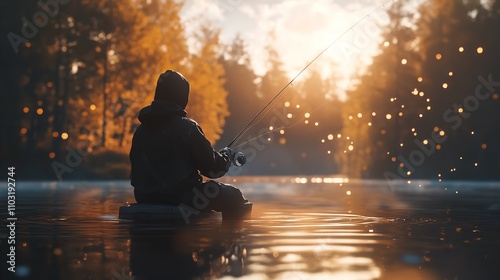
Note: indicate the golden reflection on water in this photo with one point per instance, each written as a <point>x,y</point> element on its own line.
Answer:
<point>309,245</point>
<point>297,231</point>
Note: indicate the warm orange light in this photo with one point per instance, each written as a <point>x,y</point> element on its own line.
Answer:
<point>393,159</point>
<point>93,107</point>
<point>439,56</point>
<point>438,147</point>
<point>484,146</point>
<point>64,135</point>
<point>39,111</point>
<point>55,134</point>
<point>24,130</point>
<point>26,110</point>
<point>282,141</point>
<point>27,44</point>
<point>52,155</point>
<point>49,84</point>
<point>383,132</point>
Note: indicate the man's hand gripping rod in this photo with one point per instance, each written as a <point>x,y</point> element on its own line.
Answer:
<point>238,159</point>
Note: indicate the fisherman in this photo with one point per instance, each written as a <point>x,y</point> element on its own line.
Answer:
<point>170,152</point>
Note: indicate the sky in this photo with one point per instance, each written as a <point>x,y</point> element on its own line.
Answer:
<point>302,29</point>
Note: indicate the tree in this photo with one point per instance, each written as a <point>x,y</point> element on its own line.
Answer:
<point>241,89</point>
<point>378,112</point>
<point>90,68</point>
<point>208,97</point>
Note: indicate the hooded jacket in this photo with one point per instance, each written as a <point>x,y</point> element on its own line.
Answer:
<point>170,152</point>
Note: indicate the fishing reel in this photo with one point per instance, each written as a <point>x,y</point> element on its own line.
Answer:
<point>238,158</point>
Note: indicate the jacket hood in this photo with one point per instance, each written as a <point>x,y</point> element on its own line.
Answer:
<point>159,111</point>
<point>172,86</point>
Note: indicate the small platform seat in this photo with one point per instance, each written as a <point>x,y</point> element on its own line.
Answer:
<point>165,212</point>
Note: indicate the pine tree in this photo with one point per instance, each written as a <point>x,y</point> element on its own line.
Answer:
<point>207,102</point>
<point>376,112</point>
<point>241,90</point>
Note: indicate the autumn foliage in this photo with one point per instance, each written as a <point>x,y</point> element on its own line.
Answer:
<point>78,83</point>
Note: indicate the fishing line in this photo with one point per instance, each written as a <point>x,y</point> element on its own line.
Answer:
<point>268,132</point>
<point>238,136</point>
<point>280,128</point>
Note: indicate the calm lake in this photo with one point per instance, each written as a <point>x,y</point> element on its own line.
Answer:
<point>301,228</point>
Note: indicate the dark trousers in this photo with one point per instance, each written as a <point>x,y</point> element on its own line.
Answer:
<point>210,195</point>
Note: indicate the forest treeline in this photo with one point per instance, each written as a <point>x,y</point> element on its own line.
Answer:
<point>76,73</point>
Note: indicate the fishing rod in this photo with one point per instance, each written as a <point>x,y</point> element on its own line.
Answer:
<point>238,136</point>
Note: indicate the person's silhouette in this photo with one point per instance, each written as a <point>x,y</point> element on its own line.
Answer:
<point>170,152</point>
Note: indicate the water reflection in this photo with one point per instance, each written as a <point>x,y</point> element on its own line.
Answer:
<point>297,231</point>
<point>314,246</point>
<point>192,252</point>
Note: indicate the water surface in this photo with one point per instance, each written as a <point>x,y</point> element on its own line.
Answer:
<point>301,228</point>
